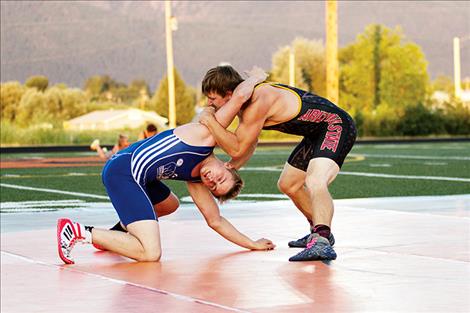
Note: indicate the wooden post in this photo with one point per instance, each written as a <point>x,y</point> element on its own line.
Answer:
<point>332,81</point>
<point>457,87</point>
<point>291,67</point>
<point>170,66</point>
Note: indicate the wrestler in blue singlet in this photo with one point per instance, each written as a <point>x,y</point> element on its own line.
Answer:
<point>132,177</point>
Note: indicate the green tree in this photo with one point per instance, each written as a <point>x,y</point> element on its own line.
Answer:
<point>420,120</point>
<point>381,56</point>
<point>310,66</point>
<point>456,118</point>
<point>10,97</point>
<point>104,88</point>
<point>377,39</point>
<point>97,86</point>
<point>39,82</point>
<point>33,109</point>
<point>185,99</point>
<point>443,83</point>
<point>65,104</point>
<point>140,86</point>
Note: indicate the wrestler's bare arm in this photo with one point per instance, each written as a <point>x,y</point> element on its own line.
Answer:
<point>210,210</point>
<point>241,94</point>
<point>238,144</point>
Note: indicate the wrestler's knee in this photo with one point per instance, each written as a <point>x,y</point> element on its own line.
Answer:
<point>287,186</point>
<point>167,206</point>
<point>150,255</point>
<point>172,203</point>
<point>316,183</point>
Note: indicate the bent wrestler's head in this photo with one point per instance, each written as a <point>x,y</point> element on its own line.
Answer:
<point>219,83</point>
<point>222,179</point>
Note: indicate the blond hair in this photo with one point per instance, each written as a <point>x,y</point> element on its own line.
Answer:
<point>236,188</point>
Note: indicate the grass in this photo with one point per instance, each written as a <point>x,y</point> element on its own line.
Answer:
<point>382,159</point>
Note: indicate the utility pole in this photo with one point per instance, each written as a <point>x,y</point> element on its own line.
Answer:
<point>291,67</point>
<point>332,80</point>
<point>169,65</point>
<point>457,85</point>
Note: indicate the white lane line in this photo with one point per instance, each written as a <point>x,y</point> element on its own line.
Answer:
<point>435,163</point>
<point>467,180</point>
<point>52,205</point>
<point>29,204</point>
<point>388,156</point>
<point>443,178</point>
<point>86,195</point>
<point>417,157</point>
<point>123,282</point>
<point>262,169</point>
<point>247,195</point>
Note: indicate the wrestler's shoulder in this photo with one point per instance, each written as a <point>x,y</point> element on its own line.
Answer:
<point>262,92</point>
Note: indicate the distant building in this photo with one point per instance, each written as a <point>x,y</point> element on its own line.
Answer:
<point>115,119</point>
<point>465,96</point>
<point>441,97</point>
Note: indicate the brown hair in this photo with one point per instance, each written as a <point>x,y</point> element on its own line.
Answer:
<point>236,188</point>
<point>123,137</point>
<point>220,80</point>
<point>151,128</point>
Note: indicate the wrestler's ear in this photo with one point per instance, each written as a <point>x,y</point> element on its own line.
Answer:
<point>228,165</point>
<point>228,95</point>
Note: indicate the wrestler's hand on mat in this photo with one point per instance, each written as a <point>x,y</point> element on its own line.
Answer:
<point>263,244</point>
<point>257,73</point>
<point>206,115</point>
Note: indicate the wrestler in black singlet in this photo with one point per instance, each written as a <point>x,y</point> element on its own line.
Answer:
<point>328,131</point>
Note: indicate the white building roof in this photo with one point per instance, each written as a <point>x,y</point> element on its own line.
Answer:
<point>128,118</point>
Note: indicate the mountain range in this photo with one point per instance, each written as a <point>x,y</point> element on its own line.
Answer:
<point>69,41</point>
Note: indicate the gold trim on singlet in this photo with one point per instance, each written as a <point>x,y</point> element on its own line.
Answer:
<point>288,89</point>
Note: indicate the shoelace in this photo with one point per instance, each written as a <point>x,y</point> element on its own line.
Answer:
<point>68,247</point>
<point>312,243</point>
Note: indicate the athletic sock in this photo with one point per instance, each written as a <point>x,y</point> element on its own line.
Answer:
<point>322,230</point>
<point>118,227</point>
<point>88,234</point>
<point>83,232</point>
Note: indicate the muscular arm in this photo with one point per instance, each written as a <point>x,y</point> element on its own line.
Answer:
<point>241,94</point>
<point>238,144</point>
<point>210,210</point>
<point>237,163</point>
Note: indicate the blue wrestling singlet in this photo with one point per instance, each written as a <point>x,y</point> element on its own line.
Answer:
<point>132,177</point>
<point>165,156</point>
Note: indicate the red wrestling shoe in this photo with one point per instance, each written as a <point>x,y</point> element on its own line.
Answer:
<point>68,234</point>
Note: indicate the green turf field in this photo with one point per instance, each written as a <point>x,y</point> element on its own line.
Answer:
<point>369,171</point>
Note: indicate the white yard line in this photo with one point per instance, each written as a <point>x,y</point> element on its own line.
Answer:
<point>442,178</point>
<point>404,156</point>
<point>387,156</point>
<point>86,195</point>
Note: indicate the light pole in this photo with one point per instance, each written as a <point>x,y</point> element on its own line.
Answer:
<point>169,64</point>
<point>291,66</point>
<point>457,86</point>
<point>332,51</point>
<point>457,78</point>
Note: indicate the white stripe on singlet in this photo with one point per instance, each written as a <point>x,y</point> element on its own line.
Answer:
<point>141,158</point>
<point>178,153</point>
